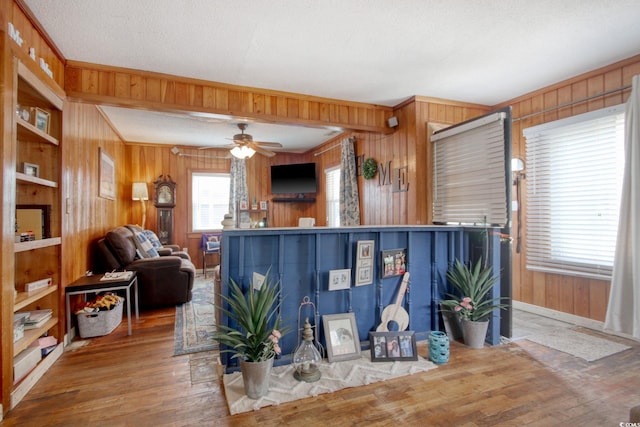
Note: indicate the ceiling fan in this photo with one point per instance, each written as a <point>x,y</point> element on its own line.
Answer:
<point>244,146</point>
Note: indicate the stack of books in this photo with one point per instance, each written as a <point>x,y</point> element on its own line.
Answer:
<point>37,318</point>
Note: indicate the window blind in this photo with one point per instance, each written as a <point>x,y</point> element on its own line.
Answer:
<point>332,180</point>
<point>469,181</point>
<point>574,180</point>
<point>210,200</point>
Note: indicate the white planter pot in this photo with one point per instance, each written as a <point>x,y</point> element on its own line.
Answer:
<point>474,333</point>
<point>255,376</point>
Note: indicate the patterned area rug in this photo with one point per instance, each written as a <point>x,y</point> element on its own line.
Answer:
<point>196,320</point>
<point>584,346</point>
<point>335,376</point>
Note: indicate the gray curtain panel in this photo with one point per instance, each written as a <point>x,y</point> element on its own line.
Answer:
<point>349,197</point>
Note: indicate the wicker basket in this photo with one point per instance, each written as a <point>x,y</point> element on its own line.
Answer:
<point>100,322</point>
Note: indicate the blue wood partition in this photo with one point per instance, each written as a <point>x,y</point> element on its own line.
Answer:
<point>301,258</point>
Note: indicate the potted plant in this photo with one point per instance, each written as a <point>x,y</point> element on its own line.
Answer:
<point>253,332</point>
<point>471,300</point>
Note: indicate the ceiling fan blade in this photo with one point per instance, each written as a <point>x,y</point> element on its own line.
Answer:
<point>268,144</point>
<point>261,150</point>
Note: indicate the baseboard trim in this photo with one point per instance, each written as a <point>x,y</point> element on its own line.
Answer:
<point>584,322</point>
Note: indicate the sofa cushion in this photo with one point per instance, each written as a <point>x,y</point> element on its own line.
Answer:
<point>153,238</point>
<point>123,247</point>
<point>144,246</point>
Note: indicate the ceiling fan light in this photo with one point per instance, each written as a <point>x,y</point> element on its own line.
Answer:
<point>243,152</point>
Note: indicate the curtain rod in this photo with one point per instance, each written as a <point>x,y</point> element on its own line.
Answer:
<point>568,104</point>
<point>352,139</point>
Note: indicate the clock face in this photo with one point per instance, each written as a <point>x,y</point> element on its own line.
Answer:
<point>165,195</point>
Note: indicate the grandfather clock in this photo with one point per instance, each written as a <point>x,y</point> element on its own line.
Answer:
<point>165,200</point>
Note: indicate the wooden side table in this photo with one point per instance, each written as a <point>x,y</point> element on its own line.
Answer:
<point>94,284</point>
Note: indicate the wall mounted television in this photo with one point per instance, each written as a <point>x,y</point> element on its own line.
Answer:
<point>298,178</point>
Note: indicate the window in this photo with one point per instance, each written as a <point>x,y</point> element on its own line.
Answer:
<point>574,180</point>
<point>469,180</point>
<point>332,177</point>
<point>209,200</point>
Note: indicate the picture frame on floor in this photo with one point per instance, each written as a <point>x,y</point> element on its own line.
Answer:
<point>393,346</point>
<point>341,336</point>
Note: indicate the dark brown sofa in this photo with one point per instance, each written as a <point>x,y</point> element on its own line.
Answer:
<point>165,279</point>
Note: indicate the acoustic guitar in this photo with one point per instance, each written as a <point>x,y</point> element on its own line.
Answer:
<point>394,317</point>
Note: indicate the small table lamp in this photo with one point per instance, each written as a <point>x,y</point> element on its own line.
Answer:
<point>139,192</point>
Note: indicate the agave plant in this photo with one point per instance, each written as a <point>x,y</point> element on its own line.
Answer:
<point>255,332</point>
<point>473,285</point>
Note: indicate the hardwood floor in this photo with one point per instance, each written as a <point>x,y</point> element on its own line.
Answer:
<point>119,380</point>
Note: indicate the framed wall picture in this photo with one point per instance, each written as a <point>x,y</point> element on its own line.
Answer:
<point>31,169</point>
<point>107,173</point>
<point>394,262</point>
<point>263,205</point>
<point>364,262</point>
<point>339,279</point>
<point>392,346</point>
<point>42,119</point>
<point>341,336</point>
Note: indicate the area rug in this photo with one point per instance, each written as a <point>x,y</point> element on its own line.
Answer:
<point>584,346</point>
<point>195,320</point>
<point>335,376</point>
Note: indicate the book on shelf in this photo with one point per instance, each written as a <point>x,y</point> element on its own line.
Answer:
<point>37,318</point>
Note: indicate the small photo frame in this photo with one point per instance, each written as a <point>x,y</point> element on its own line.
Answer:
<point>243,205</point>
<point>341,336</point>
<point>339,279</point>
<point>263,205</point>
<point>42,119</point>
<point>365,250</point>
<point>392,346</point>
<point>394,262</point>
<point>364,262</point>
<point>31,169</point>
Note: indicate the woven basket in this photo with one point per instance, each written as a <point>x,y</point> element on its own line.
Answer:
<point>100,322</point>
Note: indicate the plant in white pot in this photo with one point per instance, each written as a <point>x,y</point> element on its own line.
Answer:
<point>472,301</point>
<point>254,334</point>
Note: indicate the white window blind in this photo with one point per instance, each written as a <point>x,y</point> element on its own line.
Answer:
<point>469,173</point>
<point>574,179</point>
<point>332,184</point>
<point>210,200</point>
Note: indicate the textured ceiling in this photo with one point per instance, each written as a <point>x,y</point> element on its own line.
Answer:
<point>373,51</point>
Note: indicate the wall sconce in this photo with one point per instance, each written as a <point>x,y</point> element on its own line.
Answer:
<point>139,192</point>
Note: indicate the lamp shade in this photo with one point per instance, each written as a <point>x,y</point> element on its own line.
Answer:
<point>243,152</point>
<point>139,191</point>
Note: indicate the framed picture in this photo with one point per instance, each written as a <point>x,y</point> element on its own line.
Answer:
<point>392,346</point>
<point>341,336</point>
<point>31,169</point>
<point>365,250</point>
<point>339,279</point>
<point>243,205</point>
<point>364,262</point>
<point>394,262</point>
<point>263,205</point>
<point>107,172</point>
<point>42,119</point>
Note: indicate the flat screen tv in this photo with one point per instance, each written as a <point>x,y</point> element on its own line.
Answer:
<point>299,178</point>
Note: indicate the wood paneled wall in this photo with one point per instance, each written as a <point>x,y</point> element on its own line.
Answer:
<point>579,296</point>
<point>86,217</point>
<point>102,84</point>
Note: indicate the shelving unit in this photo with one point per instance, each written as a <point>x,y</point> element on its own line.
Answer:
<point>264,213</point>
<point>34,260</point>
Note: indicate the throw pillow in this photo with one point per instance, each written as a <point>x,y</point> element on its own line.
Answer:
<point>144,246</point>
<point>153,238</point>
